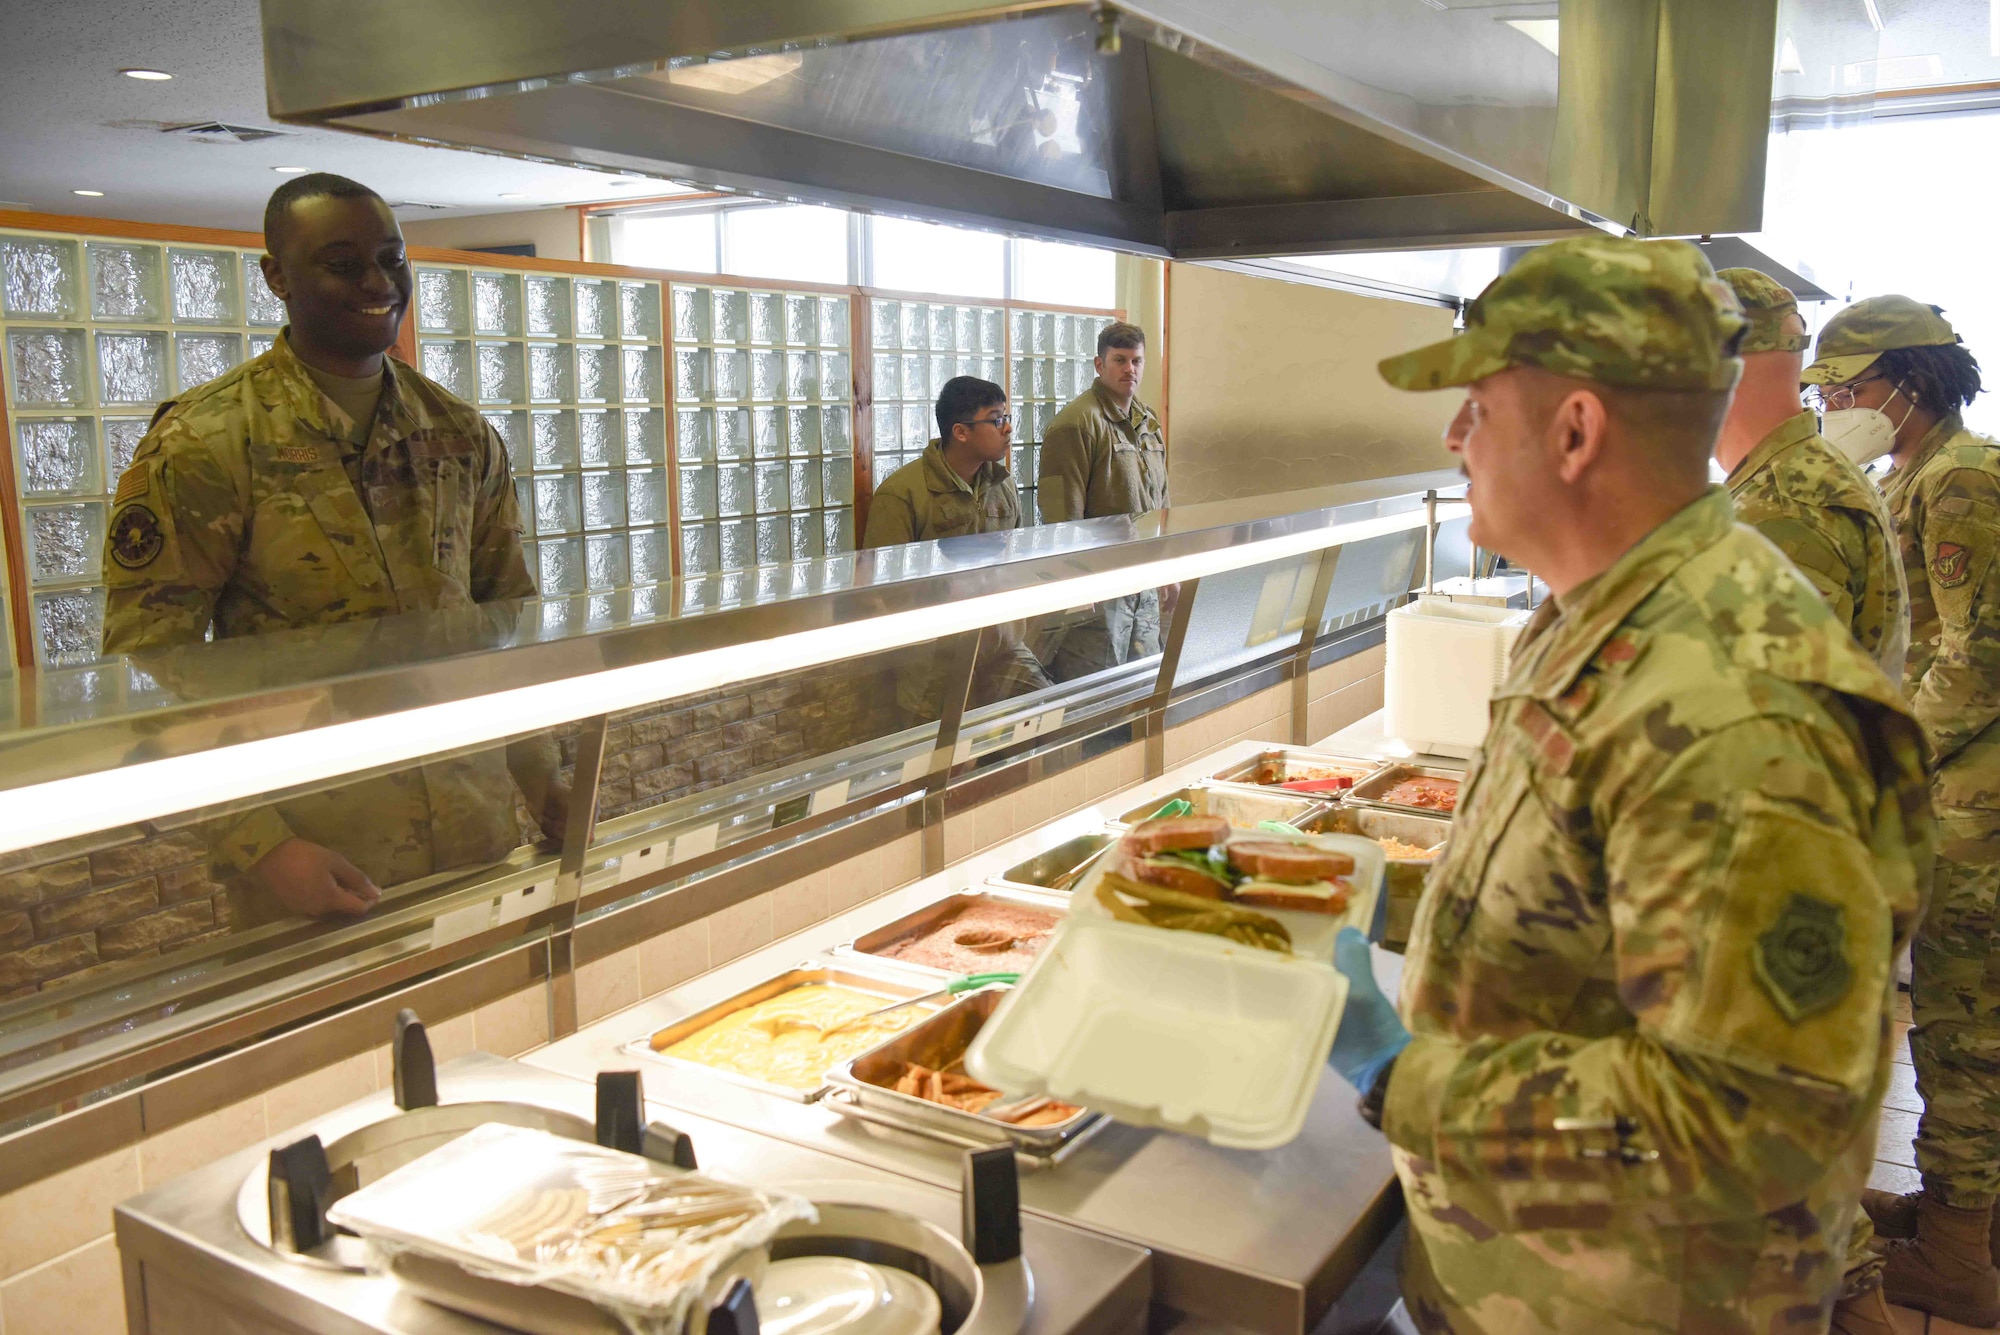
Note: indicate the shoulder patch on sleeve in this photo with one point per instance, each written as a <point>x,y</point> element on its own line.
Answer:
<point>1951,564</point>
<point>136,537</point>
<point>1801,958</point>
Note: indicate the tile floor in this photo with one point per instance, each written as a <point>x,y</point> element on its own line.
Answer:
<point>1896,1160</point>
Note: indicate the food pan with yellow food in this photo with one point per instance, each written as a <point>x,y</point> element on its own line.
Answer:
<point>785,1034</point>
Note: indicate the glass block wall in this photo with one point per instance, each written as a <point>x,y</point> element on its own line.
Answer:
<point>571,373</point>
<point>763,426</point>
<point>917,346</point>
<point>729,434</point>
<point>1050,363</point>
<point>97,332</point>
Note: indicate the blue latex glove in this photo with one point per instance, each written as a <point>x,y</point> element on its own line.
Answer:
<point>1371,1033</point>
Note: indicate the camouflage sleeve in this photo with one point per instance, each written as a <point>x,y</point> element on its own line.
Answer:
<point>499,561</point>
<point>1753,943</point>
<point>891,520</point>
<point>1815,549</point>
<point>1958,695</point>
<point>238,843</point>
<point>1063,484</point>
<point>177,522</point>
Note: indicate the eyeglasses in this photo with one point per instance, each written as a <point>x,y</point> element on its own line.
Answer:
<point>1835,398</point>
<point>1003,421</point>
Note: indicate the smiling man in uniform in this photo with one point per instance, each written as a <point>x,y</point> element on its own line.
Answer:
<point>325,482</point>
<point>1644,1029</point>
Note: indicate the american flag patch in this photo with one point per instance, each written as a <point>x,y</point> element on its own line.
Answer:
<point>131,486</point>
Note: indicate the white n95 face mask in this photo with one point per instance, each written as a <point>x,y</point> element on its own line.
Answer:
<point>1862,434</point>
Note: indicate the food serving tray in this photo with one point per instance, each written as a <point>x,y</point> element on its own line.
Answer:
<point>1285,761</point>
<point>863,1088</point>
<point>1057,870</point>
<point>868,944</point>
<point>891,987</point>
<point>1403,880</point>
<point>1371,789</point>
<point>1243,808</point>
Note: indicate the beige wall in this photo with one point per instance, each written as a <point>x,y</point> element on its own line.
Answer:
<point>1273,386</point>
<point>1142,295</point>
<point>553,232</point>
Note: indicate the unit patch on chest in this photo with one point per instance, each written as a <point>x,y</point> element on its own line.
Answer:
<point>1801,958</point>
<point>136,537</point>
<point>1950,564</point>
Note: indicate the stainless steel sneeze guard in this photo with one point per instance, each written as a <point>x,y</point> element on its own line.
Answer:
<point>1187,128</point>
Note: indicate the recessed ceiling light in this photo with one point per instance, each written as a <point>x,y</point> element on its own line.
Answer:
<point>512,194</point>
<point>150,76</point>
<point>288,171</point>
<point>89,194</point>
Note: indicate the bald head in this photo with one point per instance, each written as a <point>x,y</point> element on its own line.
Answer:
<point>1766,398</point>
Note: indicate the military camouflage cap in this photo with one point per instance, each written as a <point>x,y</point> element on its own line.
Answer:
<point>1767,304</point>
<point>1853,339</point>
<point>1642,314</point>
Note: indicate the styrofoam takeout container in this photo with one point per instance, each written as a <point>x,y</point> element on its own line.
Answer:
<point>1180,1030</point>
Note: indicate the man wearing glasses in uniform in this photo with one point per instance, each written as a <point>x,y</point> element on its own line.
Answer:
<point>1893,377</point>
<point>960,485</point>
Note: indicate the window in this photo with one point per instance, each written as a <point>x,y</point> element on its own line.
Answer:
<point>927,257</point>
<point>1828,202</point>
<point>797,243</point>
<point>1064,275</point>
<point>685,242</point>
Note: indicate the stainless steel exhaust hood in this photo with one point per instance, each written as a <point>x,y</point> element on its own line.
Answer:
<point>1187,128</point>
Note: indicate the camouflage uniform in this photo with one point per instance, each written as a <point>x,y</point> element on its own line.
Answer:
<point>238,513</point>
<point>926,500</point>
<point>1814,505</point>
<point>1097,462</point>
<point>1945,502</point>
<point>1823,513</point>
<point>1649,984</point>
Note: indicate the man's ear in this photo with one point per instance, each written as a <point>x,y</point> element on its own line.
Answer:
<point>1576,434</point>
<point>274,277</point>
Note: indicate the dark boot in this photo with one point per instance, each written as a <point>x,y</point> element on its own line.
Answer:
<point>1947,1269</point>
<point>1893,1216</point>
<point>1865,1312</point>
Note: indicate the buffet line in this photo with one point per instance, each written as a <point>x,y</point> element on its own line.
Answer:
<point>920,1059</point>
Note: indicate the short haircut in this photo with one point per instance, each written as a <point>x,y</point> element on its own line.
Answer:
<point>1118,334</point>
<point>1939,380</point>
<point>1678,426</point>
<point>313,185</point>
<point>961,399</point>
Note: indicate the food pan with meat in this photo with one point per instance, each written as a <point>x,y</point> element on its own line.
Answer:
<point>917,1082</point>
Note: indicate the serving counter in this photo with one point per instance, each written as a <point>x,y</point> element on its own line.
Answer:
<point>187,1249</point>
<point>1263,1241</point>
